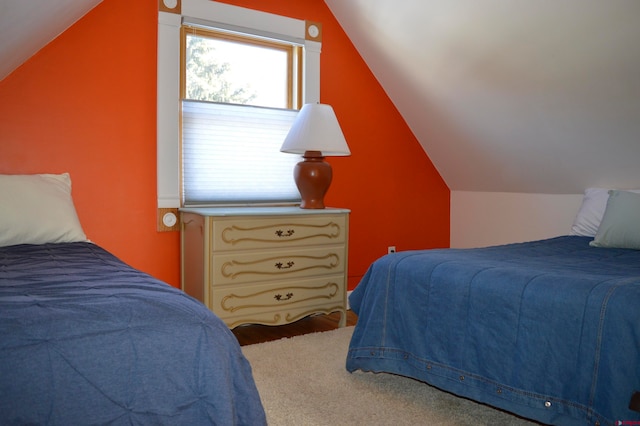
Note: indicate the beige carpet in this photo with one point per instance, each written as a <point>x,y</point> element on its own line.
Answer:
<point>303,382</point>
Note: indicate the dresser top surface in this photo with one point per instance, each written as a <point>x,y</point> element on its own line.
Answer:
<point>260,211</point>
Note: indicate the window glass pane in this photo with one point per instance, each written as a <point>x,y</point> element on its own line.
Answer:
<point>221,70</point>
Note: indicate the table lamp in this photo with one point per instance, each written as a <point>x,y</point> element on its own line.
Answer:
<point>315,133</point>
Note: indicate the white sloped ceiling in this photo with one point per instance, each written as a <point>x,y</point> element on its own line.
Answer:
<point>511,95</point>
<point>28,25</point>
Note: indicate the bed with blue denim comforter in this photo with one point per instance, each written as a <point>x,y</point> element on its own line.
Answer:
<point>549,330</point>
<point>86,339</point>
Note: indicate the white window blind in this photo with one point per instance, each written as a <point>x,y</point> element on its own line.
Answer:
<point>231,155</point>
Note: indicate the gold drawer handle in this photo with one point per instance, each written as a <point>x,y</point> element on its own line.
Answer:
<point>289,265</point>
<point>279,297</point>
<point>283,234</point>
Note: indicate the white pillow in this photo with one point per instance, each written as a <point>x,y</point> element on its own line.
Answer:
<point>589,216</point>
<point>620,226</point>
<point>38,209</point>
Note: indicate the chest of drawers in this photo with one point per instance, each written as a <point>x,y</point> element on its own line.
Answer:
<point>265,265</point>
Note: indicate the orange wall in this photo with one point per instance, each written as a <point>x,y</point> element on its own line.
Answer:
<point>86,104</point>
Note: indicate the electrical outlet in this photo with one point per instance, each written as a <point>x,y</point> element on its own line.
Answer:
<point>391,249</point>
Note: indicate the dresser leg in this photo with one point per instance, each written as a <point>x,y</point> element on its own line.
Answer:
<point>343,318</point>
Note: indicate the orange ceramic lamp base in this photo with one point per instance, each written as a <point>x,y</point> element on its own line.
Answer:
<point>313,177</point>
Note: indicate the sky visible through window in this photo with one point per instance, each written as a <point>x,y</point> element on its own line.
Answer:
<point>260,70</point>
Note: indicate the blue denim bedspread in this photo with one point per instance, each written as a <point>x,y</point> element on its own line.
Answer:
<point>549,330</point>
<point>86,339</point>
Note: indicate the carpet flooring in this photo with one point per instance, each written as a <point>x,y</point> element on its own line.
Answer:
<point>303,382</point>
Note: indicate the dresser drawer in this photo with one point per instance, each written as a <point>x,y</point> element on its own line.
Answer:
<point>242,267</point>
<point>277,232</point>
<point>287,297</point>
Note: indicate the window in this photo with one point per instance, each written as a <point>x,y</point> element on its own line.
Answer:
<point>232,68</point>
<point>240,95</point>
<point>230,19</point>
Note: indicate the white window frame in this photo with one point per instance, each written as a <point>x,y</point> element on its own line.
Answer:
<point>168,90</point>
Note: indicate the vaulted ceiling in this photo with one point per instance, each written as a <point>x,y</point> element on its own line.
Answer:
<point>511,95</point>
<point>504,95</point>
<point>28,25</point>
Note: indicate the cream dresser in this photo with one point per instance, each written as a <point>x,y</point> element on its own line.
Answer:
<point>265,265</point>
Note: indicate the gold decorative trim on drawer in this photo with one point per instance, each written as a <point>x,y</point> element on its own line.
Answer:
<point>277,297</point>
<point>279,265</point>
<point>264,233</point>
<point>292,318</point>
<point>281,232</point>
<point>276,319</point>
<point>261,320</point>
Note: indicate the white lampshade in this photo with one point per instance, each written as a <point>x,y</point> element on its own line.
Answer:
<point>316,128</point>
